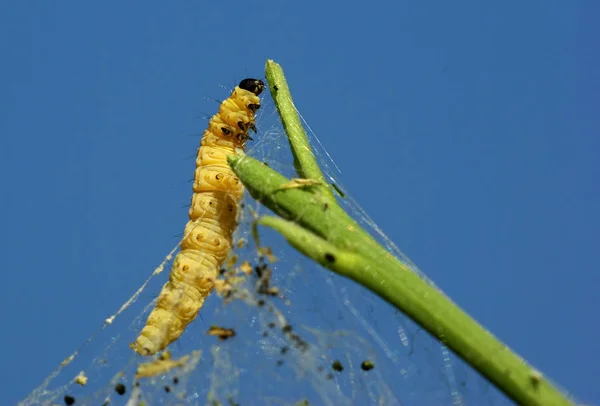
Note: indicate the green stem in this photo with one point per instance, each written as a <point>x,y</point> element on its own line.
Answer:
<point>326,254</point>
<point>319,228</point>
<point>304,160</point>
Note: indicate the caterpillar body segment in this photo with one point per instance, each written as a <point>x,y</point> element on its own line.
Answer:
<point>208,235</point>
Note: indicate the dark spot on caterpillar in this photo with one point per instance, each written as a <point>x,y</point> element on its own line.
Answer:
<point>253,107</point>
<point>167,388</point>
<point>219,176</point>
<point>325,207</point>
<point>222,271</point>
<point>217,242</point>
<point>185,268</point>
<point>175,380</point>
<point>243,137</point>
<point>255,86</point>
<point>242,126</point>
<point>120,389</point>
<point>367,365</point>
<point>226,130</point>
<point>252,127</point>
<point>337,366</point>
<point>330,258</point>
<point>69,400</point>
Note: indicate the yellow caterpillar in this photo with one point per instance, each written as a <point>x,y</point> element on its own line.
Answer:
<point>208,235</point>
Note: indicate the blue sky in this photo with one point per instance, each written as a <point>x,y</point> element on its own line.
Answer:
<point>469,132</point>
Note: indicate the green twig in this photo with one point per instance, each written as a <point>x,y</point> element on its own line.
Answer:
<point>318,227</point>
<point>304,160</point>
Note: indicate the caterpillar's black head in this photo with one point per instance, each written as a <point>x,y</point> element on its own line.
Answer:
<point>255,86</point>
